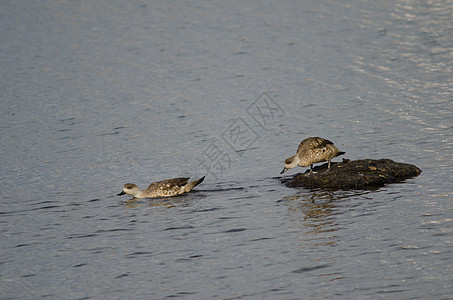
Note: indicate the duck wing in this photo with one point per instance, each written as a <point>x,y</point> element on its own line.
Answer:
<point>313,143</point>
<point>169,183</point>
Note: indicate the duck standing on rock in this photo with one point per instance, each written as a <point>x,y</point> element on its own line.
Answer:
<point>164,188</point>
<point>312,150</point>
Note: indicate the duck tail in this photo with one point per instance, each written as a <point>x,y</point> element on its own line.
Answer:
<point>188,187</point>
<point>340,153</point>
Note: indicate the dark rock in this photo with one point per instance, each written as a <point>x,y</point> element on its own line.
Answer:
<point>357,174</point>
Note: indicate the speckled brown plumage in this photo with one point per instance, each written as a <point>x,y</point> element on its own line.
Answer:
<point>164,188</point>
<point>312,150</point>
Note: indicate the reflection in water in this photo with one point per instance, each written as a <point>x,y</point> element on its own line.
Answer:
<point>316,211</point>
<point>162,202</point>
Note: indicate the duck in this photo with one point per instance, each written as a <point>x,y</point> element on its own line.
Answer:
<point>164,188</point>
<point>312,150</point>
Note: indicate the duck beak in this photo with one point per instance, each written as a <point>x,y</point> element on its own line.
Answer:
<point>284,170</point>
<point>121,194</point>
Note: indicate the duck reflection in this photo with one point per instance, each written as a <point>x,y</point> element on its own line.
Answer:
<point>177,201</point>
<point>316,213</point>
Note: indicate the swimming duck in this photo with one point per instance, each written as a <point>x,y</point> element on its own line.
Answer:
<point>164,188</point>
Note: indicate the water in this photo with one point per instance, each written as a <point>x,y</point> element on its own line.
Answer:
<point>95,95</point>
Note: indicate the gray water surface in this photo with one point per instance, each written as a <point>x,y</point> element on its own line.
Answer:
<point>97,94</point>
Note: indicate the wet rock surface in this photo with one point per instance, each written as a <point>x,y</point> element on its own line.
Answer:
<point>357,174</point>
